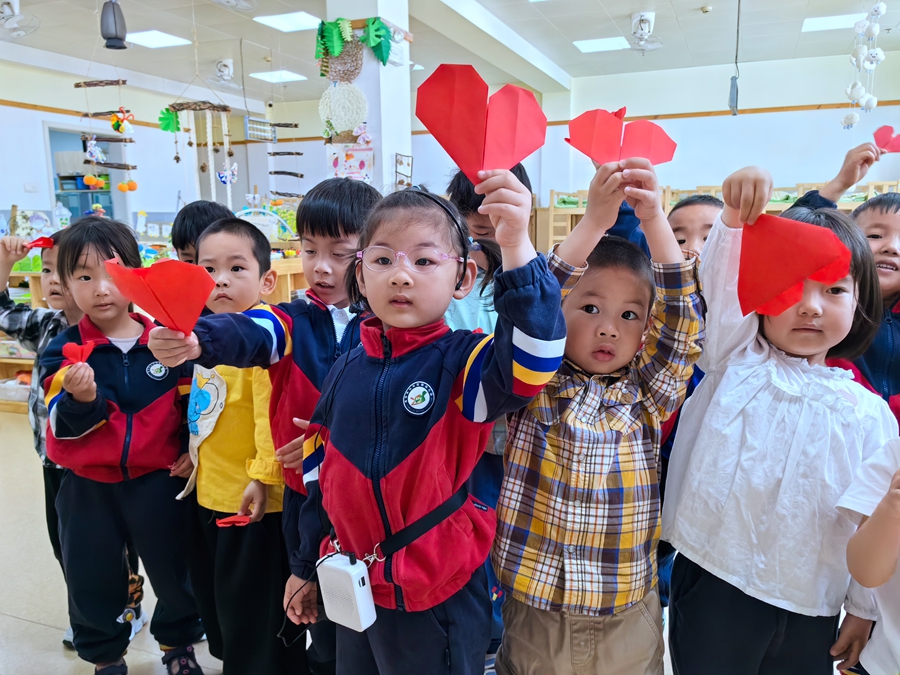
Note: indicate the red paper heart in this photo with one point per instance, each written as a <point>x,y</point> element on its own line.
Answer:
<point>476,131</point>
<point>604,137</point>
<point>40,242</point>
<point>239,521</point>
<point>172,292</point>
<point>886,140</point>
<point>76,353</point>
<point>778,255</point>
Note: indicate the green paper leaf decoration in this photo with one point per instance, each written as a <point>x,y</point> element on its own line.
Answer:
<point>383,51</point>
<point>168,121</point>
<point>375,32</point>
<point>320,40</point>
<point>334,41</point>
<point>346,29</point>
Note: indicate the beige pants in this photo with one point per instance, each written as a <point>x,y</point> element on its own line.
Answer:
<point>537,642</point>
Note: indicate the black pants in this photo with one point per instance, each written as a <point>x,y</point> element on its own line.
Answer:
<point>96,520</point>
<point>52,479</point>
<point>322,652</point>
<point>238,575</point>
<point>715,628</point>
<point>451,638</point>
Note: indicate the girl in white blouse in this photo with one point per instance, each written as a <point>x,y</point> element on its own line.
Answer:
<point>767,445</point>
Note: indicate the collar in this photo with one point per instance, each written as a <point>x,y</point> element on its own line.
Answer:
<point>89,330</point>
<point>314,299</point>
<point>570,379</point>
<point>896,308</point>
<point>402,340</point>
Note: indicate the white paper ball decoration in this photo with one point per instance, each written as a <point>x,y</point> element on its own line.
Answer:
<point>875,55</point>
<point>872,31</point>
<point>860,26</point>
<point>879,9</point>
<point>344,105</point>
<point>855,91</point>
<point>868,102</point>
<point>849,120</point>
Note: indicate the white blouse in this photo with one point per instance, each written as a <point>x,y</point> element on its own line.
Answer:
<point>766,446</point>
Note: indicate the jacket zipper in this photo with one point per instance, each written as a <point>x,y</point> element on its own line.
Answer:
<point>380,433</point>
<point>127,444</point>
<point>885,391</point>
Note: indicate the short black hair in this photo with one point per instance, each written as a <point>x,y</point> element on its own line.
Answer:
<point>259,244</point>
<point>336,207</point>
<point>193,219</point>
<point>612,251</point>
<point>869,306</point>
<point>698,200</point>
<point>889,202</point>
<point>109,238</point>
<point>56,237</point>
<point>462,192</point>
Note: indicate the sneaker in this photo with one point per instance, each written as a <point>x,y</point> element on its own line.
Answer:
<point>138,622</point>
<point>68,639</point>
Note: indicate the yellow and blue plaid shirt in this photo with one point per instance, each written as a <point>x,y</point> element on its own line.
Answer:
<point>579,511</point>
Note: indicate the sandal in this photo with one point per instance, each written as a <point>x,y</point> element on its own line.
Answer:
<point>180,661</point>
<point>119,669</point>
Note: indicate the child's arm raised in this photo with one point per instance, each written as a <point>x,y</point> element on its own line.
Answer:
<point>855,167</point>
<point>20,321</point>
<point>642,193</point>
<point>508,204</point>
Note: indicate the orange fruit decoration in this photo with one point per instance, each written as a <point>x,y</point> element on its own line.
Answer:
<point>123,187</point>
<point>100,184</point>
<point>90,180</point>
<point>132,185</point>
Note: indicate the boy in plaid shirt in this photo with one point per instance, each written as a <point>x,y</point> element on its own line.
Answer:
<point>578,519</point>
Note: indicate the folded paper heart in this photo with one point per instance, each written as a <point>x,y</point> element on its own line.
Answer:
<point>479,133</point>
<point>778,255</point>
<point>172,292</point>
<point>886,140</point>
<point>604,137</point>
<point>76,353</point>
<point>40,242</point>
<point>238,521</point>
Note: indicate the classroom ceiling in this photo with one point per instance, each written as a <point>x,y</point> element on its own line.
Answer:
<point>770,30</point>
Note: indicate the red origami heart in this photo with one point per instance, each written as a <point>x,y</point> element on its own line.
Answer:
<point>885,139</point>
<point>476,131</point>
<point>172,292</point>
<point>778,255</point>
<point>238,521</point>
<point>604,137</point>
<point>40,242</point>
<point>76,353</point>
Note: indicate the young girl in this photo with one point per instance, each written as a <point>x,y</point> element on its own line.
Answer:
<point>404,418</point>
<point>115,424</point>
<point>767,445</point>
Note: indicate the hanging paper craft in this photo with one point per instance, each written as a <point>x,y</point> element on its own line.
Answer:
<point>94,153</point>
<point>40,242</point>
<point>121,121</point>
<point>237,521</point>
<point>168,121</point>
<point>76,353</point>
<point>778,255</point>
<point>476,131</point>
<point>172,292</point>
<point>229,176</point>
<point>886,140</point>
<point>604,137</point>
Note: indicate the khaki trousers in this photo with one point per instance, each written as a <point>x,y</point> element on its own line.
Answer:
<point>537,642</point>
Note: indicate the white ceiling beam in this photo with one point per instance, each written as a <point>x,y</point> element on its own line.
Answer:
<point>38,58</point>
<point>472,26</point>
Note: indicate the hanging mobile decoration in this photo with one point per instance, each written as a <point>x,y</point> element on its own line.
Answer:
<point>94,152</point>
<point>121,121</point>
<point>228,176</point>
<point>865,57</point>
<point>210,159</point>
<point>334,36</point>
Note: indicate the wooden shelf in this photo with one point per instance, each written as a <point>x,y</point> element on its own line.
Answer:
<point>13,406</point>
<point>15,361</point>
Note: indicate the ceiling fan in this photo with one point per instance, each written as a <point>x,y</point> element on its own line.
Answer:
<point>237,5</point>
<point>224,77</point>
<point>642,38</point>
<point>14,24</point>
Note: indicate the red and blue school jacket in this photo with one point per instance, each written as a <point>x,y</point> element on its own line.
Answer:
<point>296,341</point>
<point>137,422</point>
<point>403,420</point>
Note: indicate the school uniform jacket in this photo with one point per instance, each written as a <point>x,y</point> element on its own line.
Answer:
<point>134,426</point>
<point>296,341</point>
<point>401,423</point>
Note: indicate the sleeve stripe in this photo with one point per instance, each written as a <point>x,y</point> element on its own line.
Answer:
<point>272,323</point>
<point>311,458</point>
<point>184,389</point>
<point>540,348</point>
<point>532,377</point>
<point>537,364</point>
<point>473,405</point>
<point>56,389</point>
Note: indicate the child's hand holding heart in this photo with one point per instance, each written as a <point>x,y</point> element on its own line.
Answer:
<point>173,347</point>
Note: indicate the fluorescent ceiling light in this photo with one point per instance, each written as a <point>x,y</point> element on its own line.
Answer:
<point>536,0</point>
<point>278,76</point>
<point>831,22</point>
<point>602,44</point>
<point>289,23</point>
<point>155,39</point>
<point>417,66</point>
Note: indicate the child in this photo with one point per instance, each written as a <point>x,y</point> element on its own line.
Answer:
<point>873,500</point>
<point>404,419</point>
<point>189,224</point>
<point>116,425</point>
<point>576,552</point>
<point>298,342</point>
<point>237,572</point>
<point>769,442</point>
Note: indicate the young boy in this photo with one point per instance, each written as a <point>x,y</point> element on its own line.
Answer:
<point>873,500</point>
<point>578,521</point>
<point>238,573</point>
<point>189,224</point>
<point>298,342</point>
<point>116,423</point>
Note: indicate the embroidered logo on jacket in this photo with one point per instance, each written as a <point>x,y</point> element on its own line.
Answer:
<point>157,371</point>
<point>419,398</point>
